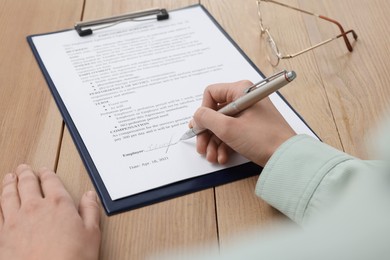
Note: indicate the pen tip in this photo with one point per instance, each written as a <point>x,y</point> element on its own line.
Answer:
<point>184,137</point>
<point>187,136</point>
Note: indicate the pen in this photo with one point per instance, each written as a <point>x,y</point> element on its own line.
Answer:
<point>252,95</point>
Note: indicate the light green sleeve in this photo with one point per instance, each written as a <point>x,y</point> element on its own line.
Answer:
<point>305,175</point>
<point>304,179</point>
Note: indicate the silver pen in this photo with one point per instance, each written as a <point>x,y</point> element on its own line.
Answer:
<point>252,95</point>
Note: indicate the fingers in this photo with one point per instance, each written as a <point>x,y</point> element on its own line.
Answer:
<point>223,153</point>
<point>89,210</point>
<point>20,188</point>
<point>52,186</point>
<point>211,145</point>
<point>206,118</point>
<point>213,148</point>
<point>214,97</point>
<point>223,93</point>
<point>10,202</point>
<point>202,141</point>
<point>28,183</point>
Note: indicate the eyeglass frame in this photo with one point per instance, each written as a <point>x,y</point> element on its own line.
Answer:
<point>279,55</point>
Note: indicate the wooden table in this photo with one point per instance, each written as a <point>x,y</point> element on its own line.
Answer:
<point>341,95</point>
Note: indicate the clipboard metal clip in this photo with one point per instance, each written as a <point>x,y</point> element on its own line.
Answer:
<point>264,81</point>
<point>86,28</point>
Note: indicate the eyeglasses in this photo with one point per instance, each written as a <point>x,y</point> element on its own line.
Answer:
<point>274,55</point>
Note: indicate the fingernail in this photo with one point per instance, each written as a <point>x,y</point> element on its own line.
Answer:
<point>91,194</point>
<point>42,170</point>
<point>9,177</point>
<point>191,123</point>
<point>22,167</point>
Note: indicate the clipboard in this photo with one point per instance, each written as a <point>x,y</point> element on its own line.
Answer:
<point>160,193</point>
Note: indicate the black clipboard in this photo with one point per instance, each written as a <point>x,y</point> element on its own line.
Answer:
<point>161,193</point>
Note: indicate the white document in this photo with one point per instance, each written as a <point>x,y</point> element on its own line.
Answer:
<point>131,90</point>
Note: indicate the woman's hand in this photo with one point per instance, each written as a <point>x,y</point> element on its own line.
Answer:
<point>255,133</point>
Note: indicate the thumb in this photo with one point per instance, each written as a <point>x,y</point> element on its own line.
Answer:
<point>207,118</point>
<point>89,210</point>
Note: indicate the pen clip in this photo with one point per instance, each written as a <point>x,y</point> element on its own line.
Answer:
<point>264,81</point>
<point>161,14</point>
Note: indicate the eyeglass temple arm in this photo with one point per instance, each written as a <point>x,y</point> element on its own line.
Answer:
<point>319,44</point>
<point>343,33</point>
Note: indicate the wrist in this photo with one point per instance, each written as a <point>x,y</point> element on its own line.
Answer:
<point>273,145</point>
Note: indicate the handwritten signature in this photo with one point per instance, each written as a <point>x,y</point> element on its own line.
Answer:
<point>167,145</point>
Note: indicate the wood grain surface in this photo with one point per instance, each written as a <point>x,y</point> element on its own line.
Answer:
<point>341,95</point>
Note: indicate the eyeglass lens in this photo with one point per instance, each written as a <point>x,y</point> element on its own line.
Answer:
<point>272,50</point>
<point>270,45</point>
